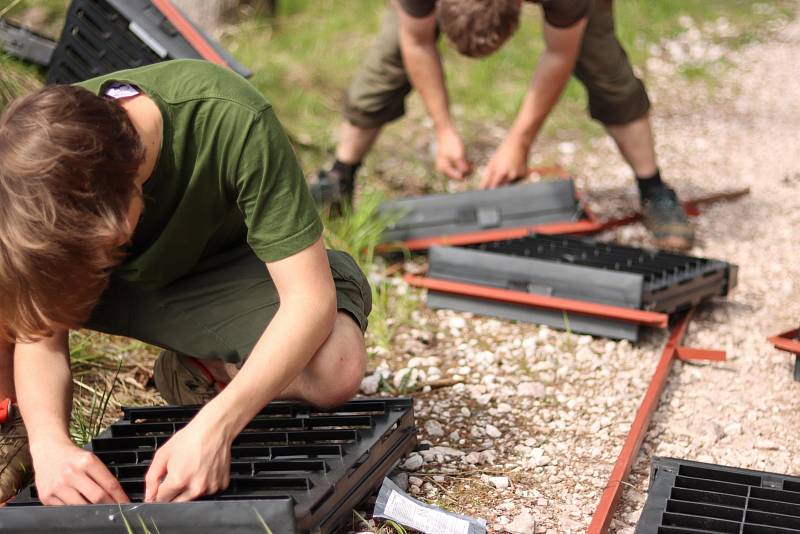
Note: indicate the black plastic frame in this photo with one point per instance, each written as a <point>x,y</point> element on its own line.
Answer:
<point>300,469</point>
<point>514,206</point>
<point>687,496</point>
<point>103,36</point>
<point>577,269</point>
<point>26,44</point>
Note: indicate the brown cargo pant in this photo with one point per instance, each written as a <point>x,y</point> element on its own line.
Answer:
<point>616,96</point>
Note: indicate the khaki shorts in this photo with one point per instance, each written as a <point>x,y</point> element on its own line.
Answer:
<point>220,309</point>
<point>616,96</point>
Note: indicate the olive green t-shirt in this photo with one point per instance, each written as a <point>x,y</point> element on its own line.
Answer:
<point>226,174</point>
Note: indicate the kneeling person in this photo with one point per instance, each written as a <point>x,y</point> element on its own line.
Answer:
<point>165,204</point>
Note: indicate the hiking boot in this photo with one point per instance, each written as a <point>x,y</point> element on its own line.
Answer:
<point>333,192</point>
<point>666,219</point>
<point>16,465</point>
<point>182,380</point>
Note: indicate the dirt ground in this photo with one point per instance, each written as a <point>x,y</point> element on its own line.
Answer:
<point>549,410</point>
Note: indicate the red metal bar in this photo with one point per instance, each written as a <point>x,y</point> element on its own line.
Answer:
<point>787,341</point>
<point>608,502</point>
<point>690,354</point>
<point>485,236</point>
<point>188,31</point>
<point>657,320</point>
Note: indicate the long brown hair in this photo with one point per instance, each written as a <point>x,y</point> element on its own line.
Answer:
<point>68,161</point>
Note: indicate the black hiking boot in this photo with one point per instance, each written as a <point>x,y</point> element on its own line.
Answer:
<point>333,192</point>
<point>666,219</point>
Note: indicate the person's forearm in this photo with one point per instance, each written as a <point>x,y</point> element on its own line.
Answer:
<point>294,335</point>
<point>548,83</point>
<point>424,67</point>
<point>44,389</point>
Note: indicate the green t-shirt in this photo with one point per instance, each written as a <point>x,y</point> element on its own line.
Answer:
<point>226,175</point>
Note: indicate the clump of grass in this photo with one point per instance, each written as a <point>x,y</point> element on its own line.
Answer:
<point>86,423</point>
<point>14,83</point>
<point>391,309</point>
<point>359,231</point>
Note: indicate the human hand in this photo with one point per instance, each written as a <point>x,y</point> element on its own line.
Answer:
<point>508,163</point>
<point>66,474</point>
<point>451,157</point>
<point>196,461</point>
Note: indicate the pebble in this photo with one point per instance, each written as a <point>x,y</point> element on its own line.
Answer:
<point>434,428</point>
<point>499,482</point>
<point>493,432</point>
<point>401,479</point>
<point>370,384</point>
<point>766,444</point>
<point>413,462</point>
<point>531,389</point>
<point>523,523</point>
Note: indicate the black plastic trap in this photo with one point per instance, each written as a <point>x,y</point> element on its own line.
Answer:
<point>103,36</point>
<point>578,269</point>
<point>25,44</point>
<point>298,469</point>
<point>694,497</point>
<point>473,211</point>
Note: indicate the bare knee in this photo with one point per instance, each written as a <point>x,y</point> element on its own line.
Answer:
<point>336,372</point>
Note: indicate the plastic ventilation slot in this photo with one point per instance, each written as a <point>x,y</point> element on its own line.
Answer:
<point>324,463</point>
<point>692,497</point>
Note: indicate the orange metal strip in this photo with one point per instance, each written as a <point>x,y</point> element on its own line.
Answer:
<point>658,320</point>
<point>485,236</point>
<point>608,502</point>
<point>186,29</point>
<point>787,341</point>
<point>689,354</point>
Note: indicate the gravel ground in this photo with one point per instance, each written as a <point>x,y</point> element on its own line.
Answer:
<point>529,435</point>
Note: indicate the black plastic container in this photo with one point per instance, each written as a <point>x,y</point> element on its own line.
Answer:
<point>103,36</point>
<point>578,269</point>
<point>694,497</point>
<point>514,206</point>
<point>298,469</point>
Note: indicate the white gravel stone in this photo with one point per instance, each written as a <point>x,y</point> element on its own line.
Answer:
<point>531,389</point>
<point>523,523</point>
<point>413,462</point>
<point>492,431</point>
<point>499,482</point>
<point>370,384</point>
<point>434,428</point>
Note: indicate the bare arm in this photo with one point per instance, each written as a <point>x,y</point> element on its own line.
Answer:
<point>65,474</point>
<point>424,66</point>
<point>303,322</point>
<point>549,79</point>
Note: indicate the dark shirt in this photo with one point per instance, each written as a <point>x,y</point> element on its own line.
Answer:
<point>559,13</point>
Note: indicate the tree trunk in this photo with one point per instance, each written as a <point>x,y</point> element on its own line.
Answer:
<point>208,14</point>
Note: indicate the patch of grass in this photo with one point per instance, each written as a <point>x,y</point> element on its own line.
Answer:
<point>392,306</point>
<point>88,422</point>
<point>359,232</point>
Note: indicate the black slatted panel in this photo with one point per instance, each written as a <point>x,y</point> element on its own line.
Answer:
<point>96,40</point>
<point>671,282</point>
<point>289,450</point>
<point>689,496</point>
<point>659,269</point>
